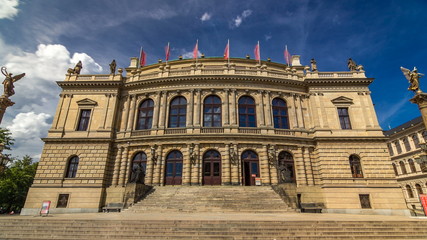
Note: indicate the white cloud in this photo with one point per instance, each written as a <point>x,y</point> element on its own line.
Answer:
<point>8,8</point>
<point>268,37</point>
<point>27,129</point>
<point>37,93</point>
<point>206,17</point>
<point>239,19</point>
<point>190,54</point>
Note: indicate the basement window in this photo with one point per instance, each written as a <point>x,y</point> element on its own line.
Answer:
<point>365,202</point>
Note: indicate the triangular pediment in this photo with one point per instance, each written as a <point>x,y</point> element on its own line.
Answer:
<point>342,100</point>
<point>87,102</point>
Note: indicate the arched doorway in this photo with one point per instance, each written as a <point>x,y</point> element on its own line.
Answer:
<point>139,166</point>
<point>173,171</point>
<point>212,168</point>
<point>250,167</point>
<point>286,168</point>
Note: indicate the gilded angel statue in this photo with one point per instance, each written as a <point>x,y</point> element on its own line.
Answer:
<point>413,78</point>
<point>8,82</point>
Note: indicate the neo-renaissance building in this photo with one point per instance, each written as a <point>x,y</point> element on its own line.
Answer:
<point>212,122</point>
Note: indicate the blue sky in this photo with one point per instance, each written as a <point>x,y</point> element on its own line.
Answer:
<point>45,37</point>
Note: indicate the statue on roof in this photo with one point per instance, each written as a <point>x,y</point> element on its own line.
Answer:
<point>413,78</point>
<point>352,66</point>
<point>8,82</point>
<point>113,66</point>
<point>76,70</point>
<point>313,65</point>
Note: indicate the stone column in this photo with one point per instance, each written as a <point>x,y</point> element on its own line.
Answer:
<point>106,106</point>
<point>190,109</point>
<point>123,167</point>
<point>365,110</point>
<point>268,113</point>
<point>264,166</point>
<point>58,111</point>
<point>226,108</point>
<point>233,117</point>
<point>300,167</point>
<point>301,111</point>
<point>260,108</point>
<point>149,169</point>
<point>274,180</point>
<point>195,169</point>
<point>323,115</point>
<point>308,166</point>
<point>235,179</point>
<point>293,122</point>
<point>63,119</point>
<point>125,113</point>
<point>421,100</point>
<point>132,111</point>
<point>111,111</point>
<point>116,173</point>
<point>156,110</point>
<point>159,174</point>
<point>186,175</point>
<point>163,109</point>
<point>226,166</point>
<point>198,106</point>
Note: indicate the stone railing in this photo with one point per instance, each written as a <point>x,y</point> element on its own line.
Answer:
<point>98,77</point>
<point>354,74</point>
<point>250,130</point>
<point>176,131</point>
<point>212,130</point>
<point>141,132</point>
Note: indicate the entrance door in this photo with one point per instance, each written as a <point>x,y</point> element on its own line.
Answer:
<point>173,171</point>
<point>250,168</point>
<point>212,168</point>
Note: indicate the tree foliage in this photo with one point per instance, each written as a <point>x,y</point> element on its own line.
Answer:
<point>15,182</point>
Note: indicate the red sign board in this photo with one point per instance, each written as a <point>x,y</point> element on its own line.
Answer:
<point>45,207</point>
<point>423,200</point>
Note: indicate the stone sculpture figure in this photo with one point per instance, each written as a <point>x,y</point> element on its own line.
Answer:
<point>351,65</point>
<point>8,82</point>
<point>113,66</point>
<point>313,65</point>
<point>138,174</point>
<point>76,69</point>
<point>413,78</point>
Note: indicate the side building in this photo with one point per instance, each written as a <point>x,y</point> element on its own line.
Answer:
<point>404,148</point>
<point>212,122</point>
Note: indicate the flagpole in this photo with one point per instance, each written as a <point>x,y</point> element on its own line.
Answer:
<point>259,53</point>
<point>167,54</point>
<point>287,55</point>
<point>228,52</point>
<point>140,55</point>
<point>197,51</point>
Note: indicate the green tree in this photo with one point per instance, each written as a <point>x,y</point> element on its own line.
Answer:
<point>15,182</point>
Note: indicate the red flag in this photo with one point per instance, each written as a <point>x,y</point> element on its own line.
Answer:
<point>142,58</point>
<point>227,50</point>
<point>167,51</point>
<point>257,52</point>
<point>196,50</point>
<point>287,55</point>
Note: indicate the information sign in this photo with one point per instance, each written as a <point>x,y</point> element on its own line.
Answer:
<point>258,181</point>
<point>45,208</point>
<point>423,200</point>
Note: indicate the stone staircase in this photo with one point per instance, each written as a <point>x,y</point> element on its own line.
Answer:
<point>38,228</point>
<point>259,199</point>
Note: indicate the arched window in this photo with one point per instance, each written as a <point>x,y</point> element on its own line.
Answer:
<point>178,112</point>
<point>145,115</point>
<point>409,191</point>
<point>247,113</point>
<point>406,144</point>
<point>73,164</point>
<point>139,166</point>
<point>419,188</point>
<point>402,167</point>
<point>416,140</point>
<point>286,167</point>
<point>212,111</point>
<point>390,149</point>
<point>356,166</point>
<point>412,165</point>
<point>280,114</point>
<point>395,169</point>
<point>398,148</point>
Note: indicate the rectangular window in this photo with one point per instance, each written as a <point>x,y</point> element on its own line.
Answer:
<point>84,120</point>
<point>344,118</point>
<point>398,148</point>
<point>365,202</point>
<point>390,149</point>
<point>406,144</point>
<point>62,200</point>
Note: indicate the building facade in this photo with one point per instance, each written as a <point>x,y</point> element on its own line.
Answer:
<point>211,122</point>
<point>404,147</point>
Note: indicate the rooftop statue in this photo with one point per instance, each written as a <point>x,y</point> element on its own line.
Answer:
<point>113,66</point>
<point>313,65</point>
<point>413,78</point>
<point>352,66</point>
<point>76,69</point>
<point>8,82</point>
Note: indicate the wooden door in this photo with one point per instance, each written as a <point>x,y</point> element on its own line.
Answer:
<point>173,170</point>
<point>212,168</point>
<point>250,168</point>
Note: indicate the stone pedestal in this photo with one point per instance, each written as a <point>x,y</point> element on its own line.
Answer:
<point>4,103</point>
<point>134,192</point>
<point>421,100</point>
